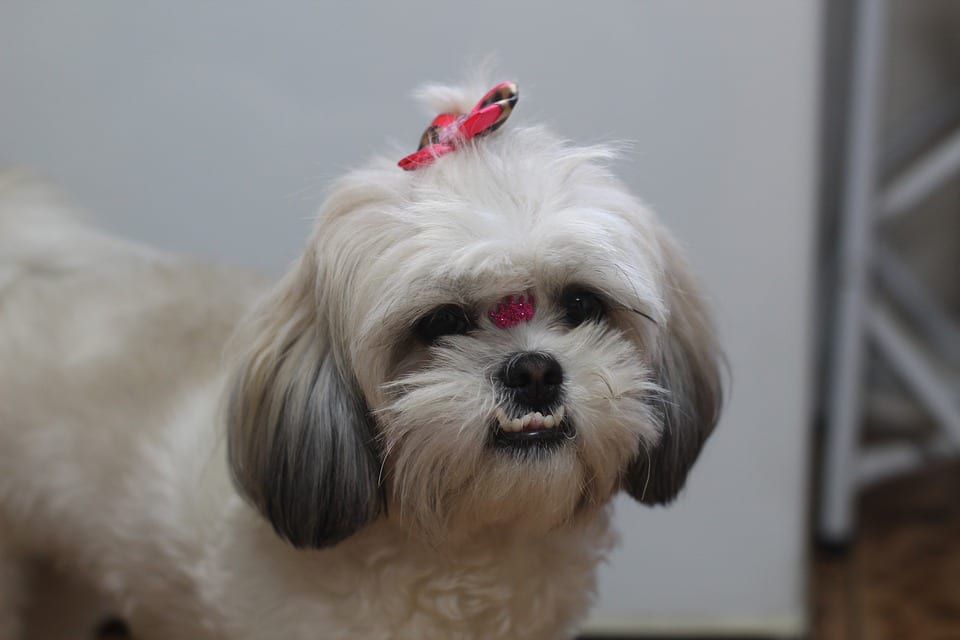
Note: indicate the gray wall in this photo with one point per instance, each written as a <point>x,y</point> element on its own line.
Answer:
<point>210,128</point>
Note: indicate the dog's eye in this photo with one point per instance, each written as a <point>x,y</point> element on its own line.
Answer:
<point>447,320</point>
<point>580,306</point>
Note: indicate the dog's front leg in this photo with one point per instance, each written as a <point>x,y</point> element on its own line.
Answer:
<point>13,591</point>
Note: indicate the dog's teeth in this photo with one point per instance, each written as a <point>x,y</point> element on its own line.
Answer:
<point>532,421</point>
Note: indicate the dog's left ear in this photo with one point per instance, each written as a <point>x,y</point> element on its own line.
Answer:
<point>688,373</point>
<point>300,439</point>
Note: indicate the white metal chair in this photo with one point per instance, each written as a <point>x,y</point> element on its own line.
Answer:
<point>908,327</point>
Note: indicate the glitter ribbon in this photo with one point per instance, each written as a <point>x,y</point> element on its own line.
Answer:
<point>513,310</point>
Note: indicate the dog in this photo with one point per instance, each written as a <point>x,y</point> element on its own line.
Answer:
<point>416,433</point>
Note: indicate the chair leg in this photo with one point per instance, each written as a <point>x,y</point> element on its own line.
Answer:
<point>845,376</point>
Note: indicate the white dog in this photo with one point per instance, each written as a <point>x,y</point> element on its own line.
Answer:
<point>417,433</point>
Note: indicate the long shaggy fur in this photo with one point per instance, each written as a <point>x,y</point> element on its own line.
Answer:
<point>334,476</point>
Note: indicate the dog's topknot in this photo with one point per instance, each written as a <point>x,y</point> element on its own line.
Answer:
<point>441,98</point>
<point>460,97</point>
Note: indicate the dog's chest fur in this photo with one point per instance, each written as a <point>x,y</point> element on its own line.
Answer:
<point>384,584</point>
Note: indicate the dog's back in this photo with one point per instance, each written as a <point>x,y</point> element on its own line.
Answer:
<point>101,343</point>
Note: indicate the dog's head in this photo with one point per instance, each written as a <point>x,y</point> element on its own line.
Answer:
<point>504,338</point>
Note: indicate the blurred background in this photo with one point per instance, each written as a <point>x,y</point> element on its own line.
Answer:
<point>804,153</point>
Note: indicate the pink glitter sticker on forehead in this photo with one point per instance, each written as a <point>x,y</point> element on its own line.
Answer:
<point>512,310</point>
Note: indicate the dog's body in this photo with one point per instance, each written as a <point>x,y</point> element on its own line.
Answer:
<point>353,416</point>
<point>111,380</point>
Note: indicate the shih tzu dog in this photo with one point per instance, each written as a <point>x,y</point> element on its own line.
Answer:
<point>415,434</point>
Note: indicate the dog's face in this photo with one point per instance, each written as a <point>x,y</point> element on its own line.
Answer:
<point>502,339</point>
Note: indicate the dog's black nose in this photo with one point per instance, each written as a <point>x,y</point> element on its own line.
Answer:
<point>534,378</point>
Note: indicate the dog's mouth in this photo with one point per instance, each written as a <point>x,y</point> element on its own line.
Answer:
<point>532,429</point>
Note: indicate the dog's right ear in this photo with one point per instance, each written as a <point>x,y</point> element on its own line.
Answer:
<point>689,374</point>
<point>301,443</point>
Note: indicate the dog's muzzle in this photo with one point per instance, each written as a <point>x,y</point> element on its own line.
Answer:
<point>534,415</point>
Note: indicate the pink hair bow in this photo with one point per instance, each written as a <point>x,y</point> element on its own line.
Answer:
<point>450,130</point>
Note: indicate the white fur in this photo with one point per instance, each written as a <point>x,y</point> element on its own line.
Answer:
<point>112,386</point>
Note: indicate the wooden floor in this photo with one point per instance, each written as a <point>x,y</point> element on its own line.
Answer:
<point>901,578</point>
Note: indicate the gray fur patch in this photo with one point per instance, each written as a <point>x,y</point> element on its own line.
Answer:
<point>689,407</point>
<point>320,480</point>
<point>300,438</point>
